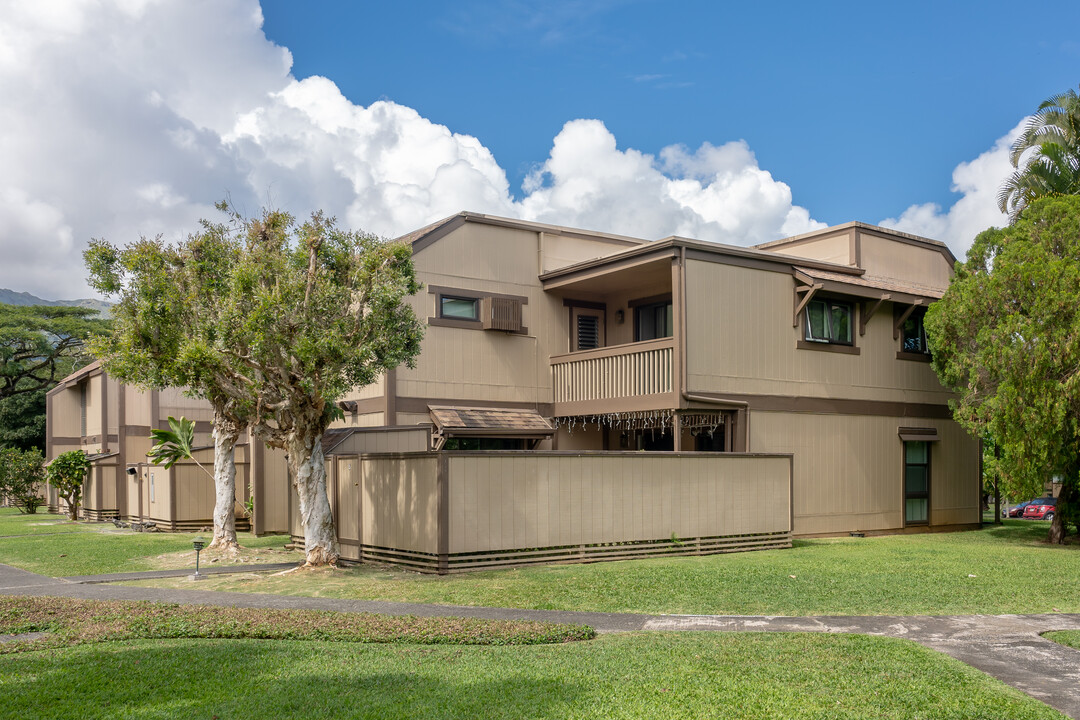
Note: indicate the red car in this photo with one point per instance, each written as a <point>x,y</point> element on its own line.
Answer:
<point>1041,509</point>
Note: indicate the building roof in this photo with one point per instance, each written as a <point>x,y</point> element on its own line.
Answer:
<point>521,422</point>
<point>419,239</point>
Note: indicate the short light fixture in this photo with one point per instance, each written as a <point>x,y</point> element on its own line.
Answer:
<point>620,316</point>
<point>198,543</point>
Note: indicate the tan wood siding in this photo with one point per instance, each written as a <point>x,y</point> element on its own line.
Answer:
<point>136,407</point>
<point>849,471</point>
<point>399,503</point>
<point>500,502</point>
<point>906,262</point>
<point>467,364</point>
<point>94,399</point>
<point>384,440</point>
<point>740,340</point>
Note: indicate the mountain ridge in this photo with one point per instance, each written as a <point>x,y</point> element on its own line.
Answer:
<point>14,297</point>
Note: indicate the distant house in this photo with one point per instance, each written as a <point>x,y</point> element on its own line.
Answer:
<point>778,390</point>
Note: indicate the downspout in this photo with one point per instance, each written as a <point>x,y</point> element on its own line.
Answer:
<point>684,340</point>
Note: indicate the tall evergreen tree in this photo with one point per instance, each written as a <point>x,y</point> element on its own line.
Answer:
<point>1006,338</point>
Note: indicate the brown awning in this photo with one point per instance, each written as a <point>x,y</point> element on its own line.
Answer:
<point>910,434</point>
<point>869,286</point>
<point>489,422</point>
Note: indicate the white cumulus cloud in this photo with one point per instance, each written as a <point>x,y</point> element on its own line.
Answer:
<point>978,182</point>
<point>133,117</point>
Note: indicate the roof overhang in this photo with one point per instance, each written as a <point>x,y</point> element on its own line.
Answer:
<point>865,287</point>
<point>489,422</point>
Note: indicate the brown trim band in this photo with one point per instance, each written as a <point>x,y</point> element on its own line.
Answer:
<point>455,323</point>
<point>467,325</point>
<point>828,347</point>
<point>613,350</point>
<point>438,233</point>
<point>836,406</point>
<point>93,439</point>
<point>653,300</point>
<point>587,304</point>
<point>473,294</point>
<point>915,357</point>
<point>417,405</point>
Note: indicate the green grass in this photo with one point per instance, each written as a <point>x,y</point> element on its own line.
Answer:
<point>681,675</point>
<point>1014,572</point>
<point>68,621</point>
<point>92,548</point>
<point>12,522</point>
<point>1065,637</point>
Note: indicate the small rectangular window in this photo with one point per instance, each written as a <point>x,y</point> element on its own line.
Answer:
<point>828,321</point>
<point>458,308</point>
<point>913,333</point>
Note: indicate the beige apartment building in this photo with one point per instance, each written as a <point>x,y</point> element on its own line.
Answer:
<point>550,349</point>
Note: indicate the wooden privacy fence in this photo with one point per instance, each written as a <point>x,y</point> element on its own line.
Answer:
<point>456,511</point>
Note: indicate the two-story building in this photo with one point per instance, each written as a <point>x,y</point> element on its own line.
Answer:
<point>603,355</point>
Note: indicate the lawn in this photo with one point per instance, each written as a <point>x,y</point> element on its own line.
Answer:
<point>615,676</point>
<point>1065,637</point>
<point>996,570</point>
<point>14,523</point>
<point>43,543</point>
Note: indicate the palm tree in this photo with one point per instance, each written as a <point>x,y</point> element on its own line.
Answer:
<point>1046,155</point>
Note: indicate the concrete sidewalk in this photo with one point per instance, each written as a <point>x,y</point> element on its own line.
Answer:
<point>1008,647</point>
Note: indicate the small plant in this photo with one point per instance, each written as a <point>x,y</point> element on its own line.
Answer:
<point>67,473</point>
<point>174,444</point>
<point>21,476</point>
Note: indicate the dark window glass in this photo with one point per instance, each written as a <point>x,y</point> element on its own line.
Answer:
<point>916,482</point>
<point>913,333</point>
<point>458,308</point>
<point>652,321</point>
<point>828,321</point>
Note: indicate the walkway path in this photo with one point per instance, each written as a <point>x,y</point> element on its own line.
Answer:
<point>1008,647</point>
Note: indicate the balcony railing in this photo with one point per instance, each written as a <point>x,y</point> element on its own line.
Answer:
<point>613,378</point>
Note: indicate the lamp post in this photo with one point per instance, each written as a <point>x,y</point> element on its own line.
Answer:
<point>198,544</point>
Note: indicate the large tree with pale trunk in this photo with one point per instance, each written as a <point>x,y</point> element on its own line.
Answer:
<point>168,332</point>
<point>1006,338</point>
<point>313,311</point>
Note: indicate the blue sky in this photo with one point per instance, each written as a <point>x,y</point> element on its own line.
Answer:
<point>734,123</point>
<point>863,108</point>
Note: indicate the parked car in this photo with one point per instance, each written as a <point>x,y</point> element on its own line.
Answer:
<point>1040,509</point>
<point>1018,511</point>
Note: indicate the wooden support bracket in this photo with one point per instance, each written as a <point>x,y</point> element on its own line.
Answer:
<point>902,318</point>
<point>868,311</point>
<point>807,292</point>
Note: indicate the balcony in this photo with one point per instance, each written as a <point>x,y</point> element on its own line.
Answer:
<point>620,378</point>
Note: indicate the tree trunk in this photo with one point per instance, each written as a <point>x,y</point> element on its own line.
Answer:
<point>73,507</point>
<point>308,466</point>
<point>226,433</point>
<point>1066,502</point>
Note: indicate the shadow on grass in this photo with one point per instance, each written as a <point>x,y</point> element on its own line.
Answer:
<point>258,679</point>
